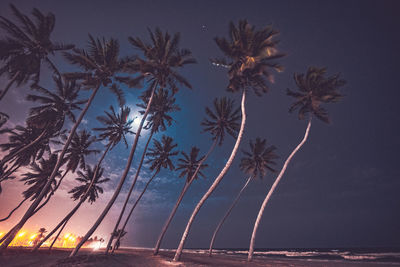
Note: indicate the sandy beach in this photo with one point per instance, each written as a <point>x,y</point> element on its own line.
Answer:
<point>144,257</point>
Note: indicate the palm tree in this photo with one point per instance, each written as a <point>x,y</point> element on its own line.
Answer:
<point>39,235</point>
<point>254,163</point>
<point>158,120</point>
<point>118,242</point>
<point>100,64</point>
<point>218,122</point>
<point>252,54</point>
<point>26,46</point>
<point>159,157</point>
<point>314,90</point>
<point>50,116</point>
<point>116,127</point>
<point>163,58</point>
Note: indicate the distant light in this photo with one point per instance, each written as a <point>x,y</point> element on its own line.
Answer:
<point>33,236</point>
<point>21,234</point>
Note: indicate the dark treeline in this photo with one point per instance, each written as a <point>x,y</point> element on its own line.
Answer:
<point>47,148</point>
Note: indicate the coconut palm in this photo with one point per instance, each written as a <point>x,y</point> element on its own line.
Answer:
<point>116,127</point>
<point>254,163</point>
<point>39,235</point>
<point>100,64</point>
<point>27,44</point>
<point>162,60</point>
<point>50,116</point>
<point>252,54</point>
<point>221,120</point>
<point>118,242</point>
<point>315,88</point>
<point>158,120</point>
<point>159,157</point>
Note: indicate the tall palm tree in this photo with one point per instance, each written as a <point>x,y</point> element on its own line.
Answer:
<point>254,163</point>
<point>315,88</point>
<point>39,235</point>
<point>221,120</point>
<point>116,127</point>
<point>26,46</point>
<point>159,157</point>
<point>162,60</point>
<point>158,120</point>
<point>252,55</point>
<point>100,64</point>
<point>50,116</point>
<point>188,166</point>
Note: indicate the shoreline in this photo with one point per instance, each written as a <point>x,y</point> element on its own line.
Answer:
<point>144,257</point>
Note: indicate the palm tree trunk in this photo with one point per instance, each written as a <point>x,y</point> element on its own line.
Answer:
<point>33,206</point>
<point>129,193</point>
<point>10,156</point>
<point>59,232</point>
<point>178,202</point>
<point>11,212</point>
<point>226,215</point>
<point>83,198</point>
<point>121,181</point>
<point>134,206</point>
<point>216,181</point>
<point>4,92</point>
<point>264,204</point>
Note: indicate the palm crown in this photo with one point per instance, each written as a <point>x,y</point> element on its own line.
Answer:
<point>259,159</point>
<point>160,155</point>
<point>162,59</point>
<point>86,178</point>
<point>27,45</point>
<point>162,104</point>
<point>313,90</point>
<point>117,126</point>
<point>251,54</point>
<point>38,177</point>
<point>224,119</point>
<point>189,163</point>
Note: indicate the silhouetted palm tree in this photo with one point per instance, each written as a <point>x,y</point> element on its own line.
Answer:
<point>158,120</point>
<point>218,122</point>
<point>100,63</point>
<point>26,46</point>
<point>162,60</point>
<point>314,90</point>
<point>50,116</point>
<point>116,127</point>
<point>39,235</point>
<point>159,157</point>
<point>254,163</point>
<point>121,233</point>
<point>252,53</point>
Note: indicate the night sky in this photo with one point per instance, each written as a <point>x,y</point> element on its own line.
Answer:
<point>341,189</point>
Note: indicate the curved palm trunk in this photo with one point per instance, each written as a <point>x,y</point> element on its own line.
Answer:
<point>264,204</point>
<point>216,181</point>
<point>72,212</point>
<point>133,207</point>
<point>59,232</point>
<point>33,206</point>
<point>4,92</point>
<point>11,212</point>
<point>178,202</point>
<point>121,181</point>
<point>10,156</point>
<point>226,215</point>
<point>129,193</point>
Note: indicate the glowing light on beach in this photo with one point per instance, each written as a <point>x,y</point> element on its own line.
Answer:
<point>1,234</point>
<point>32,236</point>
<point>21,234</point>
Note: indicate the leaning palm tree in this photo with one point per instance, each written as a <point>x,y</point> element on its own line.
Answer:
<point>254,163</point>
<point>100,64</point>
<point>220,121</point>
<point>252,53</point>
<point>315,88</point>
<point>116,127</point>
<point>159,157</point>
<point>158,120</point>
<point>162,60</point>
<point>50,116</point>
<point>26,46</point>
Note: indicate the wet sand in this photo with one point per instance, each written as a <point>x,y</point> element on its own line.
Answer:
<point>145,258</point>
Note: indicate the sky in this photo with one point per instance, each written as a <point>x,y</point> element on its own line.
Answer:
<point>340,190</point>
